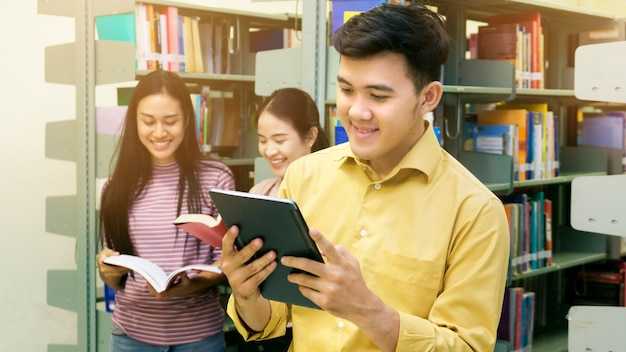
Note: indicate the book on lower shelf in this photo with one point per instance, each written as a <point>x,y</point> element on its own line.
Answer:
<point>600,284</point>
<point>517,319</point>
<point>605,129</point>
<point>159,279</point>
<point>510,117</point>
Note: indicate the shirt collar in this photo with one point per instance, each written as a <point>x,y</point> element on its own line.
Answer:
<point>424,157</point>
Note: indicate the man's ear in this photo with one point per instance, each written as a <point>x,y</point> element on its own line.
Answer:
<point>431,94</point>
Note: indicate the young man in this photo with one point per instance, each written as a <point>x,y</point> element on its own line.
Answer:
<point>416,248</point>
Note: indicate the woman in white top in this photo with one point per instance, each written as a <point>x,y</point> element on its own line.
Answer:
<point>288,127</point>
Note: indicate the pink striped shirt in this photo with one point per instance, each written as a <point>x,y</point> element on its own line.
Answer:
<point>179,320</point>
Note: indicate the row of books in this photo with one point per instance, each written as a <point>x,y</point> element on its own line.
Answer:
<point>217,119</point>
<point>530,228</point>
<point>517,38</point>
<point>180,43</point>
<point>603,129</point>
<point>517,319</point>
<point>526,132</point>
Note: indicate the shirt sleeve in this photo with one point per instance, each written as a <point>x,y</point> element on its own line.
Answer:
<point>276,327</point>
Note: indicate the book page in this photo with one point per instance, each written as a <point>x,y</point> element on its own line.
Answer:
<point>159,280</point>
<point>150,271</point>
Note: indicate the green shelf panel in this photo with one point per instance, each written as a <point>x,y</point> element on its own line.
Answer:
<point>60,63</point>
<point>62,289</point>
<point>207,76</point>
<point>563,178</point>
<point>585,159</point>
<point>103,329</point>
<point>238,161</point>
<point>554,341</point>
<point>110,7</point>
<point>61,212</point>
<point>61,140</point>
<point>501,74</point>
<point>115,61</point>
<point>105,146</point>
<point>62,348</point>
<point>494,170</point>
<point>66,8</point>
<point>563,260</point>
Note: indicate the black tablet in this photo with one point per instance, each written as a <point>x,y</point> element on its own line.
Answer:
<point>279,223</point>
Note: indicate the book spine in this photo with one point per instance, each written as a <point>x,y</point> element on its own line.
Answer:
<point>171,16</point>
<point>547,207</point>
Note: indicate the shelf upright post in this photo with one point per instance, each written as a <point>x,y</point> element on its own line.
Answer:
<point>73,140</point>
<point>314,52</point>
<point>452,107</point>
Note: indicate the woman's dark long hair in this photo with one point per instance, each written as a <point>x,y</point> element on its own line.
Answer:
<point>296,107</point>
<point>133,168</point>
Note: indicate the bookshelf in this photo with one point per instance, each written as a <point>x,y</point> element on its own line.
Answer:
<point>571,248</point>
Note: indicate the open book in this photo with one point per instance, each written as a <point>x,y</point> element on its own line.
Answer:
<point>159,280</point>
<point>203,226</point>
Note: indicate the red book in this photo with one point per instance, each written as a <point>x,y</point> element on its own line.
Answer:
<point>621,265</point>
<point>171,13</point>
<point>547,209</point>
<point>532,24</point>
<point>203,226</point>
<point>600,276</point>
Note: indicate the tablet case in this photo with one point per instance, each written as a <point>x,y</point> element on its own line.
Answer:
<point>280,224</point>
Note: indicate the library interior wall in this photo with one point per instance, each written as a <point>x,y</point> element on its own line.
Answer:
<point>27,322</point>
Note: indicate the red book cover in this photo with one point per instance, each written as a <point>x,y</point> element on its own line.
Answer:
<point>203,226</point>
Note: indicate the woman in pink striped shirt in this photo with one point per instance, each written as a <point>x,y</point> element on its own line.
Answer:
<point>160,173</point>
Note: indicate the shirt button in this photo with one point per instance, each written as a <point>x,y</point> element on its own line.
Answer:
<point>363,233</point>
<point>377,186</point>
<point>340,325</point>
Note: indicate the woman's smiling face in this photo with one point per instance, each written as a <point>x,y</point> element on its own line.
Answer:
<point>280,143</point>
<point>160,126</point>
